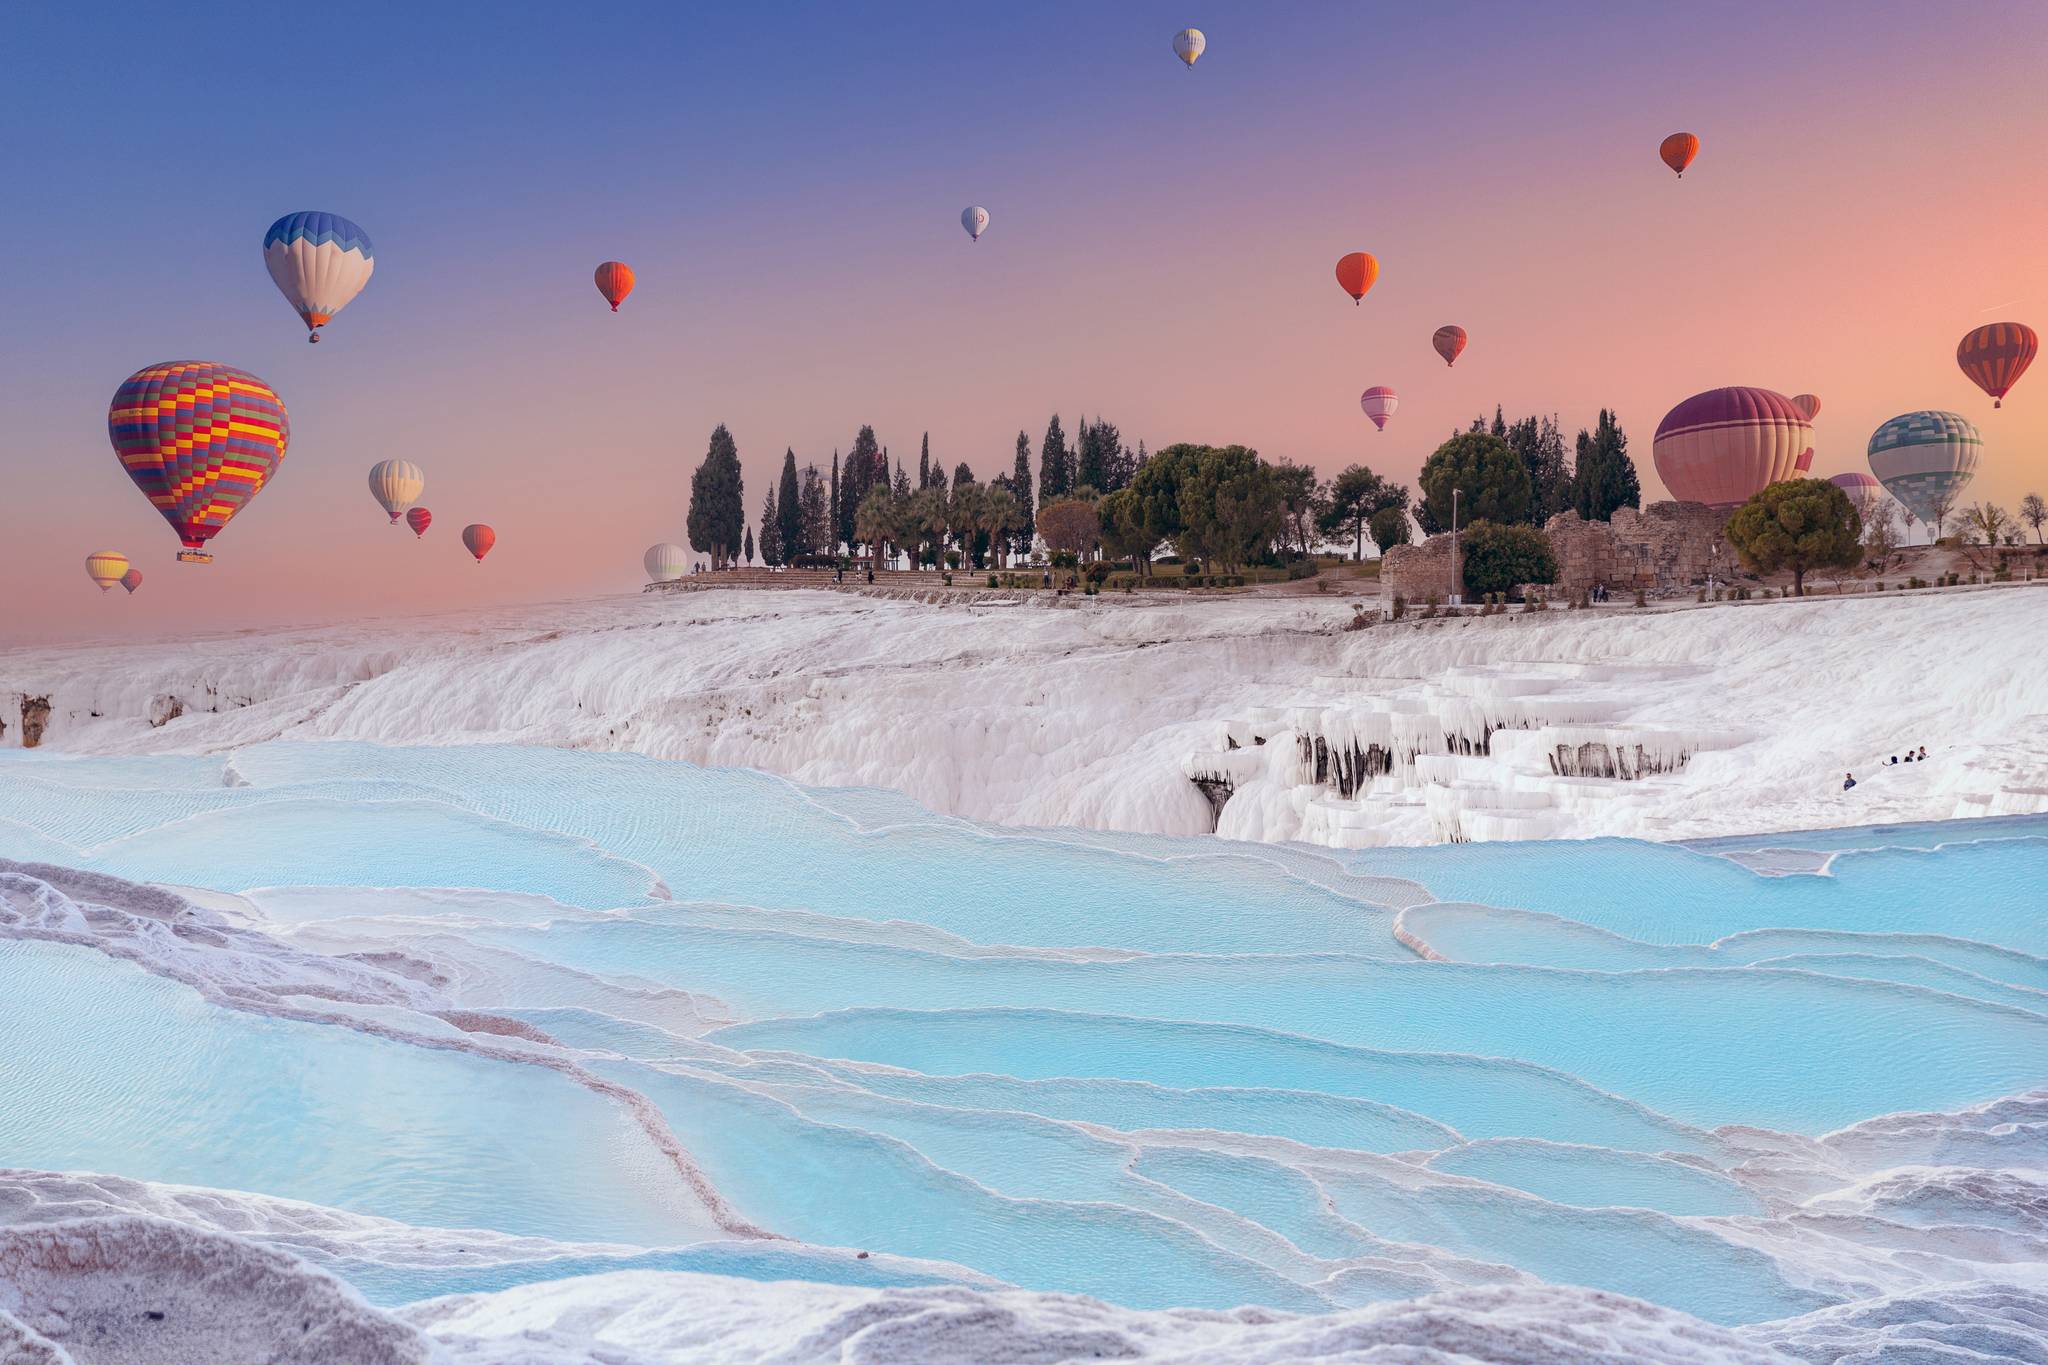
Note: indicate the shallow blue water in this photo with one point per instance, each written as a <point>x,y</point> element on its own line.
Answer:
<point>1162,1071</point>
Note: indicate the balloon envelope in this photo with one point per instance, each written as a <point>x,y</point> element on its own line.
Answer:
<point>1924,459</point>
<point>1449,343</point>
<point>105,567</point>
<point>1722,446</point>
<point>1189,44</point>
<point>665,562</point>
<point>1807,404</point>
<point>419,518</point>
<point>1678,150</point>
<point>478,539</point>
<point>396,485</point>
<point>318,261</point>
<point>1996,355</point>
<point>1357,272</point>
<point>199,439</point>
<point>615,281</point>
<point>1379,403</point>
<point>132,579</point>
<point>975,219</point>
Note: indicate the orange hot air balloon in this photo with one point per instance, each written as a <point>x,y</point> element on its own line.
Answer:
<point>1356,273</point>
<point>1449,343</point>
<point>478,539</point>
<point>1996,356</point>
<point>615,281</point>
<point>1678,150</point>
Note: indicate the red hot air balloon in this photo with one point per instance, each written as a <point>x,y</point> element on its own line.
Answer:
<point>1678,150</point>
<point>1356,273</point>
<point>419,518</point>
<point>1379,403</point>
<point>1722,446</point>
<point>1996,356</point>
<point>200,440</point>
<point>615,281</point>
<point>1449,343</point>
<point>478,539</point>
<point>1807,404</point>
<point>132,579</point>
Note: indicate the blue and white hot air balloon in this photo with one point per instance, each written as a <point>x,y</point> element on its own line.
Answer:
<point>319,261</point>
<point>1924,459</point>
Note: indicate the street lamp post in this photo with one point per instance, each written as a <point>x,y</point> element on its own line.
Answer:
<point>1457,598</point>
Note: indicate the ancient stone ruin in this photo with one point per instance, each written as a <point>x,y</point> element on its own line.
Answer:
<point>1665,548</point>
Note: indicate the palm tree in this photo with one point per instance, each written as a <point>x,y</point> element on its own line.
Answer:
<point>964,517</point>
<point>874,521</point>
<point>999,513</point>
<point>928,515</point>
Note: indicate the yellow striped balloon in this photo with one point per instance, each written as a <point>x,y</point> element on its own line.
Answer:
<point>105,567</point>
<point>396,485</point>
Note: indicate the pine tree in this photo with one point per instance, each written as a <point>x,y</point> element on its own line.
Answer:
<point>1605,478</point>
<point>771,531</point>
<point>862,461</point>
<point>815,513</point>
<point>1054,464</point>
<point>717,513</point>
<point>747,550</point>
<point>790,509</point>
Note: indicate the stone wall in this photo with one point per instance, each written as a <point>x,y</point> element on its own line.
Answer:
<point>1417,572</point>
<point>1666,547</point>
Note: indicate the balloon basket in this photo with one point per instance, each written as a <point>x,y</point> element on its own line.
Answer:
<point>194,557</point>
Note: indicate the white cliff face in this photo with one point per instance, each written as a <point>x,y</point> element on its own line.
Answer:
<point>1659,724</point>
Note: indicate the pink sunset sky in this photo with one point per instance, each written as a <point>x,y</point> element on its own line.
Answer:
<point>1161,254</point>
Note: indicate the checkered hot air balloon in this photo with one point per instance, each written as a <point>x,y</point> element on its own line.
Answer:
<point>200,440</point>
<point>1925,459</point>
<point>319,261</point>
<point>1995,356</point>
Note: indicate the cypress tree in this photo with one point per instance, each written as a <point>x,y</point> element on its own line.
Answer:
<point>1605,476</point>
<point>1055,470</point>
<point>837,517</point>
<point>861,464</point>
<point>924,463</point>
<point>747,550</point>
<point>717,513</point>
<point>790,509</point>
<point>1020,477</point>
<point>771,531</point>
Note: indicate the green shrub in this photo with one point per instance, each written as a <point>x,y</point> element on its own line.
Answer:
<point>1302,568</point>
<point>1496,558</point>
<point>991,580</point>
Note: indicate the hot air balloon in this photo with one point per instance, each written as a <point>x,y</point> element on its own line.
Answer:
<point>132,580</point>
<point>200,440</point>
<point>975,219</point>
<point>1863,490</point>
<point>1678,150</point>
<point>1449,343</point>
<point>1722,446</point>
<point>396,485</point>
<point>665,562</point>
<point>105,567</point>
<point>1356,274</point>
<point>1379,403</point>
<point>1188,44</point>
<point>1807,404</point>
<point>615,281</point>
<point>1995,357</point>
<point>1924,459</point>
<point>478,539</point>
<point>419,518</point>
<point>319,261</point>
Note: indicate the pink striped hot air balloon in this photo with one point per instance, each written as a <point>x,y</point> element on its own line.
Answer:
<point>1379,403</point>
<point>1724,445</point>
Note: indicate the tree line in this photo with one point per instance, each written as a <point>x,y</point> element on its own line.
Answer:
<point>1095,495</point>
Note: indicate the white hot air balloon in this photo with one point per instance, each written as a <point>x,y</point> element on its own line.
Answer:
<point>318,261</point>
<point>1188,44</point>
<point>1378,403</point>
<point>665,562</point>
<point>396,485</point>
<point>975,220</point>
